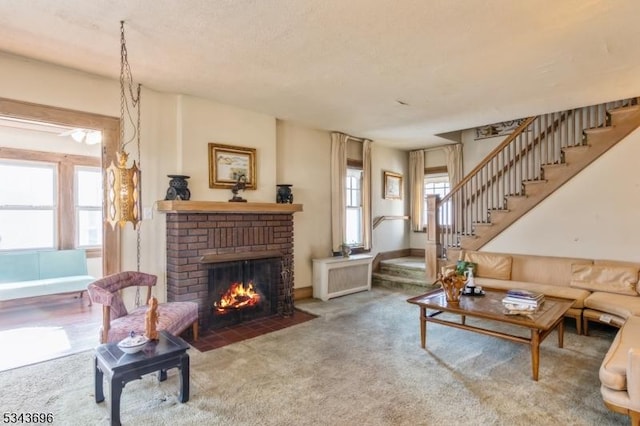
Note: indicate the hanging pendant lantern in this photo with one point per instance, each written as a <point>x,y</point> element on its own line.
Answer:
<point>123,182</point>
<point>123,192</point>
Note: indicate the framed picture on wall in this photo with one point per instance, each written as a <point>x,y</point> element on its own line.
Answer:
<point>392,184</point>
<point>228,163</point>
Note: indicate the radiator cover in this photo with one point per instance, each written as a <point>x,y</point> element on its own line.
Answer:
<point>337,276</point>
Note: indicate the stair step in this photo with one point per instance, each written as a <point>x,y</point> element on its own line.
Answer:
<point>481,228</point>
<point>465,238</point>
<point>498,215</point>
<point>551,173</point>
<point>392,281</point>
<point>620,114</point>
<point>514,199</point>
<point>598,130</point>
<point>404,267</point>
<point>533,181</point>
<point>533,187</point>
<point>481,223</point>
<point>407,273</point>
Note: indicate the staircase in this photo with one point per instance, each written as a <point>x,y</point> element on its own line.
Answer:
<point>538,158</point>
<point>406,273</point>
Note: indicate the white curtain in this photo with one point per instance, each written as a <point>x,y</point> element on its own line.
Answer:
<point>416,182</point>
<point>453,157</point>
<point>338,192</point>
<point>366,194</point>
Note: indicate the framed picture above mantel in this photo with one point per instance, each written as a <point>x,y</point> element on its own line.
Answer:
<point>228,164</point>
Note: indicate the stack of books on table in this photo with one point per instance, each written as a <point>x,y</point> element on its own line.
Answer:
<point>523,300</point>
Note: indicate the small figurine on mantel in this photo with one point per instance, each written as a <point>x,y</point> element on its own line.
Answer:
<point>151,320</point>
<point>241,184</point>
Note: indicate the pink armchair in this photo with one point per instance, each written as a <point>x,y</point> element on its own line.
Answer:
<point>118,323</point>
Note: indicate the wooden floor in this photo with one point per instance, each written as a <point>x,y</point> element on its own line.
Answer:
<point>36,329</point>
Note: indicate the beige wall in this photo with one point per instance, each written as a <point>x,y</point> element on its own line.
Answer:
<point>390,235</point>
<point>474,151</point>
<point>204,121</point>
<point>32,81</point>
<point>303,160</point>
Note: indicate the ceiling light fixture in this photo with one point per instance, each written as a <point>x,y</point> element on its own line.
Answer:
<point>90,137</point>
<point>123,183</point>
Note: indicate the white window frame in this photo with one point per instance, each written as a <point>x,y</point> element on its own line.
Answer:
<point>54,208</point>
<point>353,203</point>
<point>65,217</point>
<point>78,208</point>
<point>436,184</point>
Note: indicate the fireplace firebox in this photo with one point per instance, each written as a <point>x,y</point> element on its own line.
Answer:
<point>242,290</point>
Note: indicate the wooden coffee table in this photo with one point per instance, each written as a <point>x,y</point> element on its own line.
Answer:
<point>489,307</point>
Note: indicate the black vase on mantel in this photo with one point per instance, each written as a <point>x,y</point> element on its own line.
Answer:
<point>178,188</point>
<point>283,194</point>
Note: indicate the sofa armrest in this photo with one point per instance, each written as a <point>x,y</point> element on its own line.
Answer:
<point>633,378</point>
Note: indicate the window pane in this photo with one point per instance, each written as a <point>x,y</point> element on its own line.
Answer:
<point>354,226</point>
<point>438,185</point>
<point>89,228</point>
<point>89,183</point>
<point>26,229</point>
<point>31,184</point>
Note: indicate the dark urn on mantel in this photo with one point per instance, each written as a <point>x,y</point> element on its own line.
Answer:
<point>283,194</point>
<point>178,188</point>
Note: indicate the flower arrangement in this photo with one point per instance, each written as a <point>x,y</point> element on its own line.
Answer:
<point>452,284</point>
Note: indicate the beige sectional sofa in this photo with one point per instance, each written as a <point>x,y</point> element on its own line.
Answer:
<point>604,291</point>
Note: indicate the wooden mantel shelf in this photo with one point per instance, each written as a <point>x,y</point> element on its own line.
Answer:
<point>178,206</point>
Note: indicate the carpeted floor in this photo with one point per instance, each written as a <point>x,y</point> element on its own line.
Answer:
<point>358,363</point>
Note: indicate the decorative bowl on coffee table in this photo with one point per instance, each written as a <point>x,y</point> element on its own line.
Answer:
<point>132,344</point>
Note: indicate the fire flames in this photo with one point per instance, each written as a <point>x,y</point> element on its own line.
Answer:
<point>238,296</point>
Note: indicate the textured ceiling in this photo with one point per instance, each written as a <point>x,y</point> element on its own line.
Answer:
<point>351,65</point>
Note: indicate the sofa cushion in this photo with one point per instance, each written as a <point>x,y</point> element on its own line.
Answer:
<point>578,294</point>
<point>619,263</point>
<point>609,278</point>
<point>544,269</point>
<point>613,370</point>
<point>490,265</point>
<point>616,304</point>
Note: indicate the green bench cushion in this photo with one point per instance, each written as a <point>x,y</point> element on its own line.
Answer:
<point>19,267</point>
<point>62,263</point>
<point>21,289</point>
<point>29,274</point>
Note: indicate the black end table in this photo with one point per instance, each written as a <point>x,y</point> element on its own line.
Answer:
<point>167,352</point>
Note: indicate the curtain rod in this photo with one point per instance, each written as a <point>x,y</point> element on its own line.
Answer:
<point>434,148</point>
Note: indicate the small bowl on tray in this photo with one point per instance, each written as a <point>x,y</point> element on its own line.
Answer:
<point>133,344</point>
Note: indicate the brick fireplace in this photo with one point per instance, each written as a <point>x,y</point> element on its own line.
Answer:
<point>202,234</point>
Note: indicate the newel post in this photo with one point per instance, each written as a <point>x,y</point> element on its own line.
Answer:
<point>433,239</point>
